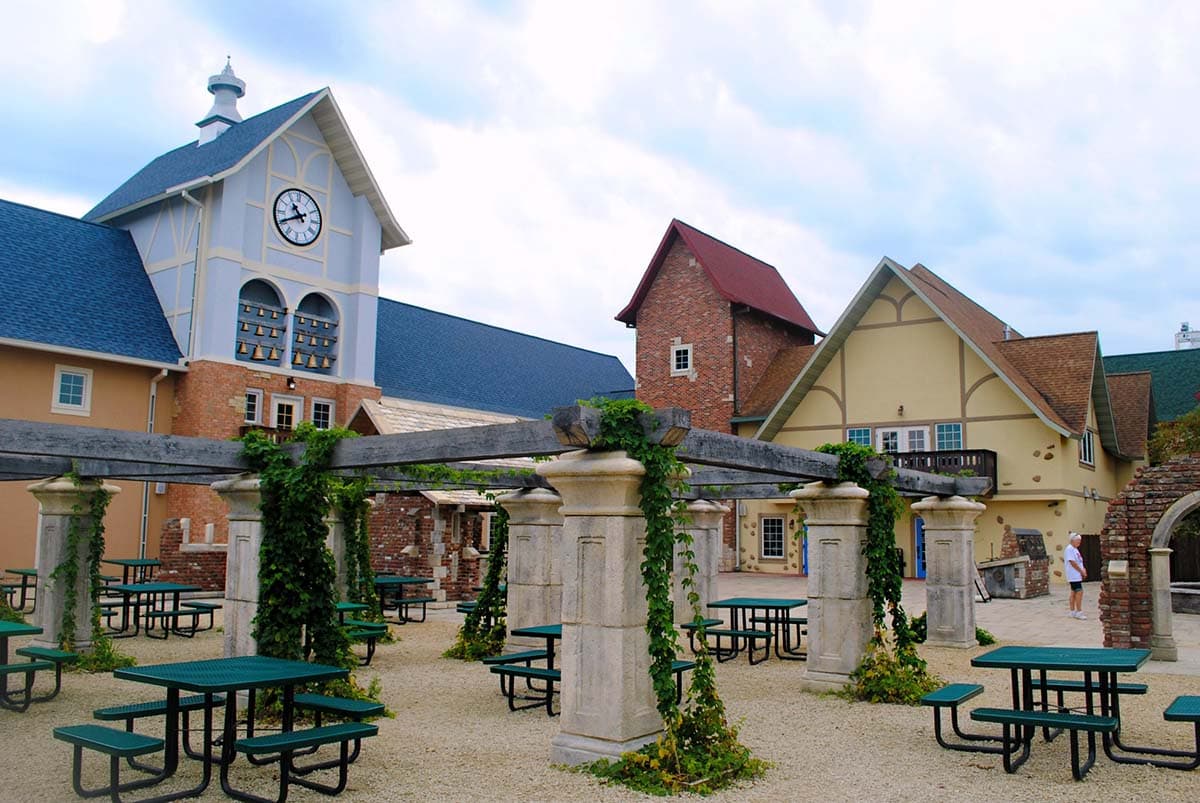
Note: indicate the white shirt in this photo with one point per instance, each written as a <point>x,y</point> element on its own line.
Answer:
<point>1072,554</point>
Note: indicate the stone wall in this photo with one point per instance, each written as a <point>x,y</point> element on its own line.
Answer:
<point>1126,599</point>
<point>1037,575</point>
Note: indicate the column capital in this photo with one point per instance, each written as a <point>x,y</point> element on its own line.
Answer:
<point>59,496</point>
<point>596,483</point>
<point>706,514</point>
<point>243,495</point>
<point>952,513</point>
<point>843,503</point>
<point>532,506</point>
<point>1160,550</point>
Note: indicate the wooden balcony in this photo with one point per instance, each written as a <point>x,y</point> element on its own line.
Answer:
<point>967,462</point>
<point>274,435</point>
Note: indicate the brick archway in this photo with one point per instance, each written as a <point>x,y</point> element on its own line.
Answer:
<point>1135,605</point>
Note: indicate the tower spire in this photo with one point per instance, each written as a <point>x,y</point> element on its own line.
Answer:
<point>226,89</point>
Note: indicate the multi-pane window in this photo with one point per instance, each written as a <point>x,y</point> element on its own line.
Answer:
<point>1087,448</point>
<point>949,437</point>
<point>322,413</point>
<point>771,528</point>
<point>253,409</point>
<point>681,360</point>
<point>889,441</point>
<point>72,391</point>
<point>859,435</point>
<point>287,412</point>
<point>916,440</point>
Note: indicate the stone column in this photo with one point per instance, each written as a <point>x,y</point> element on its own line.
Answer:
<point>534,562</point>
<point>608,703</point>
<point>1162,640</point>
<point>335,542</point>
<point>241,562</point>
<point>949,569</point>
<point>57,500</point>
<point>705,529</point>
<point>839,610</point>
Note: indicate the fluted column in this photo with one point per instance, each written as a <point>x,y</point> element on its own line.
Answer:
<point>949,569</point>
<point>243,496</point>
<point>705,529</point>
<point>58,499</point>
<point>1162,639</point>
<point>839,610</point>
<point>608,703</point>
<point>534,561</point>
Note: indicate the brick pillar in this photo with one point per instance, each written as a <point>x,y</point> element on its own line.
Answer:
<point>58,499</point>
<point>839,610</point>
<point>1162,640</point>
<point>242,562</point>
<point>950,569</point>
<point>608,703</point>
<point>705,529</point>
<point>534,564</point>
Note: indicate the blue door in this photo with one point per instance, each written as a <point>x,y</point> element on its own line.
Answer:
<point>919,563</point>
<point>804,548</point>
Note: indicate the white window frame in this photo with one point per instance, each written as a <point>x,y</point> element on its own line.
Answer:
<point>676,350</point>
<point>84,408</point>
<point>297,403</point>
<point>762,537</point>
<point>332,411</point>
<point>937,446</point>
<point>850,435</point>
<point>1087,448</point>
<point>903,439</point>
<point>257,395</point>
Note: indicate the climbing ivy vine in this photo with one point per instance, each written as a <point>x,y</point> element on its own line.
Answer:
<point>297,574</point>
<point>891,671</point>
<point>699,750</point>
<point>103,656</point>
<point>482,633</point>
<point>349,498</point>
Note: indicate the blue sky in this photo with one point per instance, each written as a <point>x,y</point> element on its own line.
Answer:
<point>1038,156</point>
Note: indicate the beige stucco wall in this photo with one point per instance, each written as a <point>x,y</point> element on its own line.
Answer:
<point>120,400</point>
<point>901,355</point>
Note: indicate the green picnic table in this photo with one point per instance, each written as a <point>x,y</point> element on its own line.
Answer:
<point>28,589</point>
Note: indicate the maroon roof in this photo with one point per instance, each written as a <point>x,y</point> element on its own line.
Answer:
<point>737,276</point>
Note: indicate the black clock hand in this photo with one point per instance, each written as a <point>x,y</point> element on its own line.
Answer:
<point>297,216</point>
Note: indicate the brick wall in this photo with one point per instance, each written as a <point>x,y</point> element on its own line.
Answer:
<point>209,403</point>
<point>411,535</point>
<point>1126,604</point>
<point>202,567</point>
<point>759,339</point>
<point>1037,579</point>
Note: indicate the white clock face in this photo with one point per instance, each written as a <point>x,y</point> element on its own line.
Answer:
<point>297,217</point>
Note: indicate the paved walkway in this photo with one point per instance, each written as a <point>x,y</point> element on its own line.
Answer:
<point>1041,620</point>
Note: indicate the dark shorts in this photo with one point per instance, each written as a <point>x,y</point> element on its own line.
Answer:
<point>1076,585</point>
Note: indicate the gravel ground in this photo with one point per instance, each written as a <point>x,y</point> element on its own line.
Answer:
<point>453,738</point>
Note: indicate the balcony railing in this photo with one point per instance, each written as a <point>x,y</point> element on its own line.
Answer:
<point>970,462</point>
<point>273,435</point>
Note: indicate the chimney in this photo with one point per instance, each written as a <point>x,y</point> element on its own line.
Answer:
<point>226,89</point>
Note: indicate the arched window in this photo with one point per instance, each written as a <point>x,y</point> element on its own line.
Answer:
<point>261,324</point>
<point>314,347</point>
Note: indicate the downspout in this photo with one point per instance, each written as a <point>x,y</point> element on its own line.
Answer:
<point>145,528</point>
<point>195,270</point>
<point>733,316</point>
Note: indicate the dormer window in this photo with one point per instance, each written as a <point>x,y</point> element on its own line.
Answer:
<point>314,347</point>
<point>261,333</point>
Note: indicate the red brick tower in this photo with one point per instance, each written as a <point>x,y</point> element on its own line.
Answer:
<point>709,321</point>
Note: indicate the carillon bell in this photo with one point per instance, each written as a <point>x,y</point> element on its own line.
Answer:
<point>298,359</point>
<point>245,326</point>
<point>300,319</point>
<point>312,361</point>
<point>242,347</point>
<point>258,353</point>
<point>326,324</point>
<point>274,332</point>
<point>261,312</point>
<point>259,331</point>
<point>274,314</point>
<point>325,363</point>
<point>245,308</point>
<point>274,355</point>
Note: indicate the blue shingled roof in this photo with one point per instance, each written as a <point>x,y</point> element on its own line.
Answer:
<point>1174,378</point>
<point>433,357</point>
<point>193,161</point>
<point>65,282</point>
